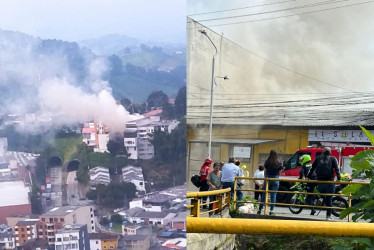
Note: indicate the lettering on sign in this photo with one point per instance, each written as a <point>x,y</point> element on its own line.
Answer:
<point>338,135</point>
<point>242,152</point>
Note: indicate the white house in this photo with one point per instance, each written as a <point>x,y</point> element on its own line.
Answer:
<point>99,175</point>
<point>96,135</point>
<point>134,175</point>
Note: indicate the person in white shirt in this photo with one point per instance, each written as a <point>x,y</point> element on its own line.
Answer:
<point>259,183</point>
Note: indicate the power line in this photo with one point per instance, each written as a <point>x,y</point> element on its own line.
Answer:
<point>272,11</point>
<point>248,7</point>
<point>291,15</point>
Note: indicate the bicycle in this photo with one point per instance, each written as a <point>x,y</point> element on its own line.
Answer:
<point>300,199</point>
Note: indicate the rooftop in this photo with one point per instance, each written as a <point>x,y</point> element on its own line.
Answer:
<point>61,211</point>
<point>19,193</point>
<point>103,236</point>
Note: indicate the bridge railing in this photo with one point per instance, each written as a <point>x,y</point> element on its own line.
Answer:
<point>220,199</point>
<point>266,203</point>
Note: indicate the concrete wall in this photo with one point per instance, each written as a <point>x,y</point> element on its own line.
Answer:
<point>211,241</point>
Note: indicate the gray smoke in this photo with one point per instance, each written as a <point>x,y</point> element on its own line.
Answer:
<point>45,87</point>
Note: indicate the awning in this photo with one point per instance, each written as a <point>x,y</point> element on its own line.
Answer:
<point>235,141</point>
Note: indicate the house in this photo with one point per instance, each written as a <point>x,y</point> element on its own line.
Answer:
<point>135,229</point>
<point>134,175</point>
<point>96,135</point>
<point>179,221</point>
<point>57,217</point>
<point>99,175</point>
<point>40,244</point>
<point>148,207</point>
<point>137,139</point>
<point>136,242</point>
<point>103,240</point>
<point>137,215</point>
<point>74,237</point>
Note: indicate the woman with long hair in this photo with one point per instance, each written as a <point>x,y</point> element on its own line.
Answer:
<point>272,170</point>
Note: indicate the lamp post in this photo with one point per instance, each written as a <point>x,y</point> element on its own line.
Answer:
<point>211,94</point>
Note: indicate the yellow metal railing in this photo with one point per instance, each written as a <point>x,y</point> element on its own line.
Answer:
<point>222,200</point>
<point>278,227</point>
<point>223,196</point>
<point>197,224</point>
<point>267,191</point>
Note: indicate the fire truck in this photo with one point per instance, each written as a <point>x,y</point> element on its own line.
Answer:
<point>292,166</point>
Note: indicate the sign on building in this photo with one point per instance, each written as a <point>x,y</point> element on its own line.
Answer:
<point>242,152</point>
<point>338,135</point>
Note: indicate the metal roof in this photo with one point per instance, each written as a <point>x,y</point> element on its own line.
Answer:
<point>234,141</point>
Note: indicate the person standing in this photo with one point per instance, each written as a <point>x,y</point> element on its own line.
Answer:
<point>214,182</point>
<point>204,172</point>
<point>240,182</point>
<point>272,170</point>
<point>306,166</point>
<point>325,166</point>
<point>259,183</point>
<point>229,172</point>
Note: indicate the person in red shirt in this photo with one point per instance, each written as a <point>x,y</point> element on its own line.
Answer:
<point>204,172</point>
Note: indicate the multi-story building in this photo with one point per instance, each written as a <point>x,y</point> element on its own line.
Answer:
<point>135,229</point>
<point>74,237</point>
<point>29,229</point>
<point>134,175</point>
<point>6,237</point>
<point>57,217</point>
<point>17,202</point>
<point>137,139</point>
<point>99,175</point>
<point>103,241</point>
<point>96,135</point>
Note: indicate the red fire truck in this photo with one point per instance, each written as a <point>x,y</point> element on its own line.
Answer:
<point>292,166</point>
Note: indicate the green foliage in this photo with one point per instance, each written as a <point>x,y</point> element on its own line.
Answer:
<point>362,163</point>
<point>170,151</point>
<point>104,221</point>
<point>113,195</point>
<point>116,218</point>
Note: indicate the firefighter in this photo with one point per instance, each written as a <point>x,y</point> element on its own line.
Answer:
<point>306,163</point>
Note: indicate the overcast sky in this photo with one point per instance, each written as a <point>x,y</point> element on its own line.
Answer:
<point>72,20</point>
<point>334,46</point>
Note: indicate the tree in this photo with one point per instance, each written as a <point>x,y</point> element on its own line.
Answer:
<point>116,218</point>
<point>116,146</point>
<point>180,104</point>
<point>157,99</point>
<point>362,163</point>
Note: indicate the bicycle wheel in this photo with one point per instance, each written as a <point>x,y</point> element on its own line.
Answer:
<point>338,202</point>
<point>295,200</point>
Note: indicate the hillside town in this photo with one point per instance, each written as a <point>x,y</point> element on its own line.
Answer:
<point>153,219</point>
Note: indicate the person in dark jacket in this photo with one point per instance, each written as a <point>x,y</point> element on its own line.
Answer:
<point>306,163</point>
<point>325,166</point>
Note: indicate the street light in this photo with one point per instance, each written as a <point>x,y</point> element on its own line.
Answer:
<point>211,93</point>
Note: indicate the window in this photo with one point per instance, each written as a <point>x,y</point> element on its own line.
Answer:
<point>97,242</point>
<point>43,219</point>
<point>22,229</point>
<point>55,219</point>
<point>62,219</point>
<point>50,220</point>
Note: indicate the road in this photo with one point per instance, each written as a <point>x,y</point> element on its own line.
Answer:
<point>56,179</point>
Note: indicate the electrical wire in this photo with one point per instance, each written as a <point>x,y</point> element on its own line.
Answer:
<point>291,15</point>
<point>273,11</point>
<point>248,7</point>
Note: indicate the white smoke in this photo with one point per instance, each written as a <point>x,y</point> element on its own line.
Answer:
<point>43,84</point>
